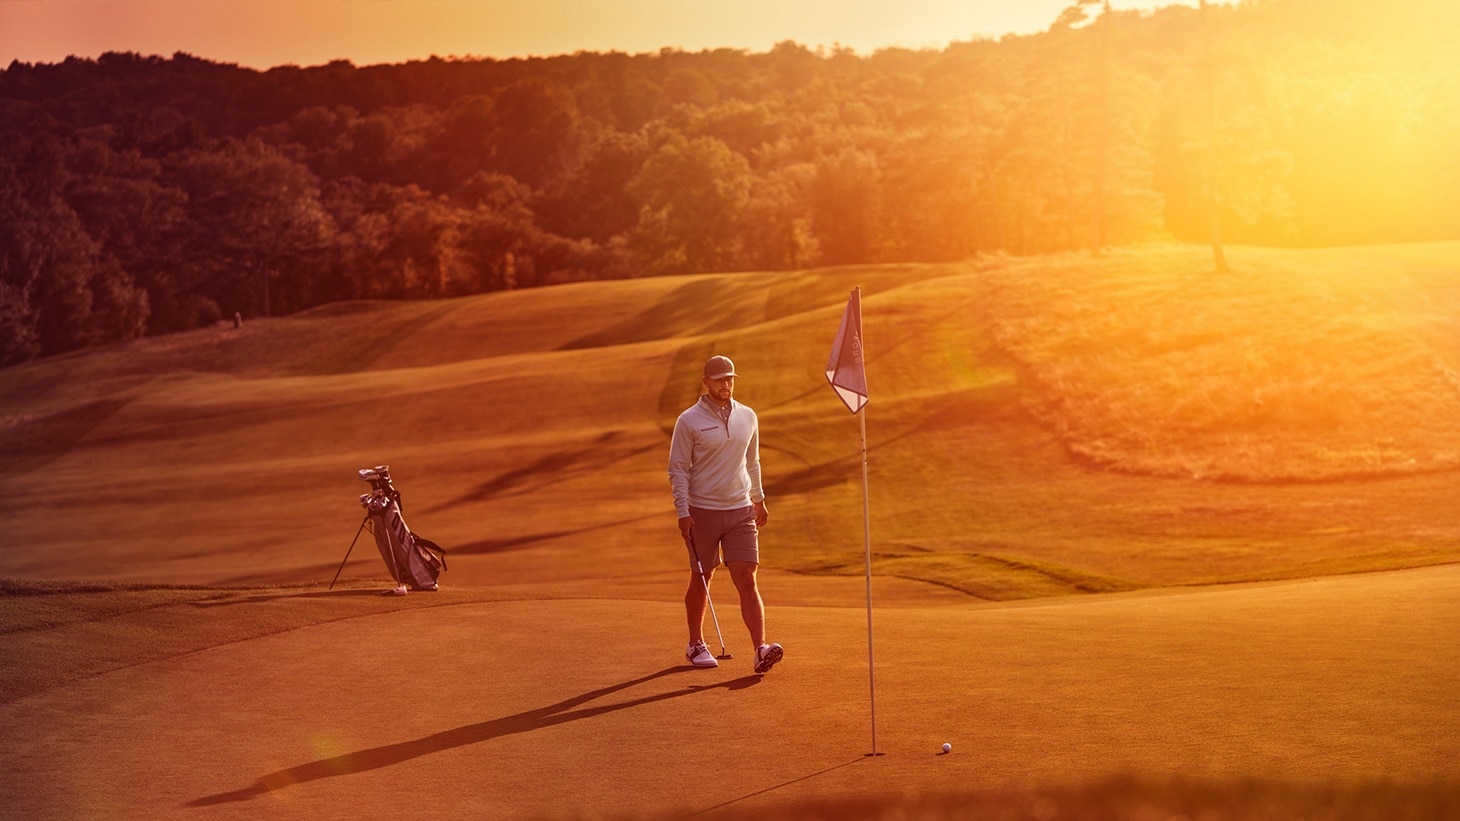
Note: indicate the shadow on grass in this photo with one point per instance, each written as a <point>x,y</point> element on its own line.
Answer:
<point>782,785</point>
<point>390,754</point>
<point>548,469</point>
<point>260,598</point>
<point>485,546</point>
<point>32,446</point>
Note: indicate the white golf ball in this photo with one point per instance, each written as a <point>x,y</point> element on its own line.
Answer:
<point>947,747</point>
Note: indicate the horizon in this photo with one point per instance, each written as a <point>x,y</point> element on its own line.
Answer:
<point>262,34</point>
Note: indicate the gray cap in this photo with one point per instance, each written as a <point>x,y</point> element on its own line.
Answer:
<point>719,367</point>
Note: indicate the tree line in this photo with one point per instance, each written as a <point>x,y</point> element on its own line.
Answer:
<point>143,195</point>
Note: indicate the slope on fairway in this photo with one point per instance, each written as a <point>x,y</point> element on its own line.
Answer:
<point>579,707</point>
<point>1036,428</point>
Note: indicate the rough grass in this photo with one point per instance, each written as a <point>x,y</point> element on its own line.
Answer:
<point>1297,366</point>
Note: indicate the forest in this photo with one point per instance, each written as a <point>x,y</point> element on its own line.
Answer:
<point>142,194</point>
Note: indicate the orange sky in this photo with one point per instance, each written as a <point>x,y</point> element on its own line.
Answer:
<point>263,33</point>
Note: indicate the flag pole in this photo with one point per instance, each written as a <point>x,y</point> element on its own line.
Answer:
<point>846,371</point>
<point>867,542</point>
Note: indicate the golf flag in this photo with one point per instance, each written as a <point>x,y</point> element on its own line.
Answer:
<point>845,370</point>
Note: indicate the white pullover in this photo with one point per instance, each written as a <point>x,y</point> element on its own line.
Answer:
<point>714,458</point>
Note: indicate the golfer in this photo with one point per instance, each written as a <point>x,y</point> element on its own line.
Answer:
<point>714,472</point>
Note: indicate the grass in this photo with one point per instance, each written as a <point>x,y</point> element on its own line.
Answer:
<point>59,633</point>
<point>1328,699</point>
<point>1053,427</point>
<point>1299,366</point>
<point>1132,799</point>
<point>1038,426</point>
<point>983,576</point>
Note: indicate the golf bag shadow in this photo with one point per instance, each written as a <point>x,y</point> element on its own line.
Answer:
<point>413,561</point>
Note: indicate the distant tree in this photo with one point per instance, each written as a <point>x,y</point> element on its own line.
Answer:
<point>19,270</point>
<point>1212,175</point>
<point>778,233</point>
<point>792,65</point>
<point>692,196</point>
<point>62,291</point>
<point>844,197</point>
<point>19,341</point>
<point>594,200</point>
<point>1219,159</point>
<point>497,232</point>
<point>424,230</point>
<point>255,216</point>
<point>537,134</point>
<point>138,222</point>
<point>1102,170</point>
<point>1073,167</point>
<point>160,192</point>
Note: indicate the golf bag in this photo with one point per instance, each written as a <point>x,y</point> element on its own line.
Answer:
<point>412,560</point>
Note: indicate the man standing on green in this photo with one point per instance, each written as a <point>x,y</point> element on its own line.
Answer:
<point>714,473</point>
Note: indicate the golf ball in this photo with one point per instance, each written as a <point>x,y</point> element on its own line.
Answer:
<point>947,747</point>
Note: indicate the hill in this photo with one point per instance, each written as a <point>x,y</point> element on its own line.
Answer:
<point>1039,426</point>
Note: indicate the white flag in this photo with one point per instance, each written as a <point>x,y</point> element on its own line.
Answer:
<point>845,370</point>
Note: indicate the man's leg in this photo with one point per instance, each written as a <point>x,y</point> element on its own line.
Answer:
<point>752,608</point>
<point>695,603</point>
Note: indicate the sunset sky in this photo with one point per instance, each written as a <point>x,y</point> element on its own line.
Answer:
<point>264,33</point>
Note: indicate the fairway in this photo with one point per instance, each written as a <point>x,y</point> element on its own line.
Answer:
<point>1136,532</point>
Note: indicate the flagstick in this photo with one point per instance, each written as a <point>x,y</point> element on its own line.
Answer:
<point>846,371</point>
<point>867,541</point>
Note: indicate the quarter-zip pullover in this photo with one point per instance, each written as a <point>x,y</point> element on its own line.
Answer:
<point>714,457</point>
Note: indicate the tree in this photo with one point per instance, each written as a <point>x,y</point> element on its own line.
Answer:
<point>844,200</point>
<point>255,216</point>
<point>1221,160</point>
<point>778,233</point>
<point>423,232</point>
<point>594,201</point>
<point>496,231</point>
<point>1213,178</point>
<point>61,290</point>
<point>692,196</point>
<point>136,221</point>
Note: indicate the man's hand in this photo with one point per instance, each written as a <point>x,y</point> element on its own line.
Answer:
<point>761,514</point>
<point>687,527</point>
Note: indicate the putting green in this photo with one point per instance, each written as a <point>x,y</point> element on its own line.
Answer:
<point>582,707</point>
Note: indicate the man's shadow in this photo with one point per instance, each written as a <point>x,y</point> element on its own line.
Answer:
<point>389,754</point>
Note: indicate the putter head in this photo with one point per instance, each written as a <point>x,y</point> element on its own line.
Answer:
<point>724,656</point>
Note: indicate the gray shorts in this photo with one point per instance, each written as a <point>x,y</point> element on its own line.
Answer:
<point>731,532</point>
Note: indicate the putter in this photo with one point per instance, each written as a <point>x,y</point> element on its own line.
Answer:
<point>689,545</point>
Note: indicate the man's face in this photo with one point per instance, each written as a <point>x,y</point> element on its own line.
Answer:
<point>721,389</point>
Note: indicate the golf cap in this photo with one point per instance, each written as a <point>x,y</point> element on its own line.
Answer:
<point>719,367</point>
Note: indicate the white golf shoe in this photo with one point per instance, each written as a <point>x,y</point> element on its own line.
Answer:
<point>700,656</point>
<point>766,656</point>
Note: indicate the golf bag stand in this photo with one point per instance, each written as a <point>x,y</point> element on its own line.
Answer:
<point>414,562</point>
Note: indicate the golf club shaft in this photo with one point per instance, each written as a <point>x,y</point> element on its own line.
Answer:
<point>699,568</point>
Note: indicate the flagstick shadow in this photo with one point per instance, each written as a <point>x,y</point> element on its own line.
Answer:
<point>782,785</point>
<point>390,754</point>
